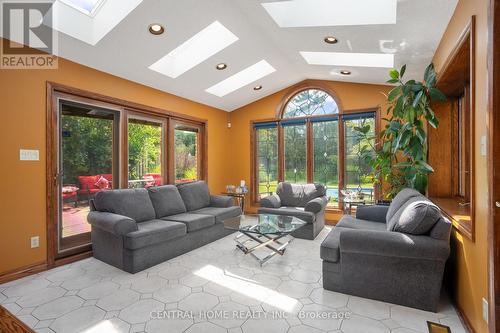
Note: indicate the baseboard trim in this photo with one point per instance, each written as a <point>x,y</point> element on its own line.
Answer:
<point>72,258</point>
<point>463,318</point>
<point>23,271</point>
<point>10,324</point>
<point>40,267</point>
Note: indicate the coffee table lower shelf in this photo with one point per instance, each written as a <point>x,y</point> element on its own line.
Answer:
<point>267,241</point>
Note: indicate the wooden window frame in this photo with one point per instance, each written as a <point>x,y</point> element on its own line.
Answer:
<point>457,77</point>
<point>130,114</point>
<point>125,109</point>
<point>254,195</point>
<point>200,149</point>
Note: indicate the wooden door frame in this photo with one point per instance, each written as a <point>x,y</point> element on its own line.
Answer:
<point>53,90</point>
<point>494,164</point>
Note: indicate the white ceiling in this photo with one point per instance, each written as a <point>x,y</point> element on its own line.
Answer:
<point>129,49</point>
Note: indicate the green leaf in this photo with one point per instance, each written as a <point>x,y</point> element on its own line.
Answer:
<point>402,71</point>
<point>392,81</point>
<point>437,95</point>
<point>433,121</point>
<point>420,183</point>
<point>421,134</point>
<point>424,167</point>
<point>428,72</point>
<point>418,98</point>
<point>394,74</point>
<point>393,93</point>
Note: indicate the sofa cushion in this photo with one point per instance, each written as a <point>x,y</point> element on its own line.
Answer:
<point>153,232</point>
<point>133,203</point>
<point>298,212</point>
<point>166,200</point>
<point>348,221</point>
<point>329,250</point>
<point>298,195</point>
<point>220,213</point>
<point>195,195</point>
<point>192,221</point>
<point>416,217</point>
<point>399,200</point>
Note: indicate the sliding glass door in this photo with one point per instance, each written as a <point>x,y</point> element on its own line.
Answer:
<point>87,159</point>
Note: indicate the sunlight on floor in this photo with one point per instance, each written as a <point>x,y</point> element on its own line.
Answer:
<point>248,288</point>
<point>104,326</point>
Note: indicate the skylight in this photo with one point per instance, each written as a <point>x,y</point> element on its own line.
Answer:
<point>88,7</point>
<point>317,13</point>
<point>349,59</point>
<point>195,50</point>
<point>90,20</point>
<point>241,79</point>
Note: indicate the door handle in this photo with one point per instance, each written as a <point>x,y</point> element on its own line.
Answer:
<point>497,204</point>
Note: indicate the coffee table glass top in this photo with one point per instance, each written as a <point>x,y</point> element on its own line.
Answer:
<point>264,224</point>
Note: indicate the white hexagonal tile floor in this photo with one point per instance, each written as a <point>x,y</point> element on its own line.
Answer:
<point>215,288</point>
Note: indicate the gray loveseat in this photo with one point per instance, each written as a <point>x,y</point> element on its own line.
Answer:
<point>134,229</point>
<point>307,202</point>
<point>393,253</point>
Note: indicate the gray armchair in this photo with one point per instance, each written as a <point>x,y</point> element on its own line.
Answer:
<point>307,202</point>
<point>393,253</point>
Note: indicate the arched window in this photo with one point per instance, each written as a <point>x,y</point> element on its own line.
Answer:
<point>310,102</point>
<point>312,140</point>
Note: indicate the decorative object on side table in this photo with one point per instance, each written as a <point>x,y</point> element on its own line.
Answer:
<point>237,192</point>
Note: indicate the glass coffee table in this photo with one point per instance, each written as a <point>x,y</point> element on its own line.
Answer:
<point>263,231</point>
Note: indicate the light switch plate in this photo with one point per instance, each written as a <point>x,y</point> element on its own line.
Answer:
<point>483,145</point>
<point>485,310</point>
<point>29,155</point>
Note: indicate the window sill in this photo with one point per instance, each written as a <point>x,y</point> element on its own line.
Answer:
<point>460,216</point>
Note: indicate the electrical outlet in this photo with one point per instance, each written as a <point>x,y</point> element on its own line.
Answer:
<point>35,242</point>
<point>485,310</point>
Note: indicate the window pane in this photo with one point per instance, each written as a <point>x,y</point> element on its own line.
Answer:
<point>186,155</point>
<point>144,153</point>
<point>311,102</point>
<point>326,157</point>
<point>267,160</point>
<point>295,144</point>
<point>357,170</point>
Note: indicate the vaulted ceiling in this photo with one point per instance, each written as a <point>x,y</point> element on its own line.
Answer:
<point>283,34</point>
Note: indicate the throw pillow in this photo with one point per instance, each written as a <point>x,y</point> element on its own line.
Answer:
<point>416,217</point>
<point>102,183</point>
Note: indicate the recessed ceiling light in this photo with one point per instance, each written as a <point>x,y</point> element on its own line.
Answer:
<point>345,72</point>
<point>241,79</point>
<point>195,50</point>
<point>259,87</point>
<point>319,13</point>
<point>156,29</point>
<point>330,40</point>
<point>349,59</point>
<point>221,66</point>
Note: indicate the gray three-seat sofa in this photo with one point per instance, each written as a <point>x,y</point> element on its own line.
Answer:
<point>393,253</point>
<point>134,229</point>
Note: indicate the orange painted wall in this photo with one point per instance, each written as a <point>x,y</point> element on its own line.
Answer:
<point>472,257</point>
<point>22,125</point>
<point>352,96</point>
